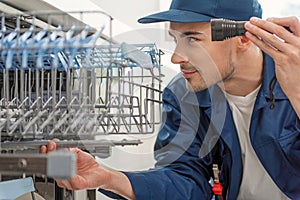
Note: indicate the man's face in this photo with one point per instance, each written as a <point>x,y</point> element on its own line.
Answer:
<point>202,62</point>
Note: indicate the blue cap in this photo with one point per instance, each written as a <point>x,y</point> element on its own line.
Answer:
<point>205,10</point>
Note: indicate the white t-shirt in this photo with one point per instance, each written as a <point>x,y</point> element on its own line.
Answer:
<point>256,182</point>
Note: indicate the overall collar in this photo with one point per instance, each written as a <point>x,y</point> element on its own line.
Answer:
<point>268,74</point>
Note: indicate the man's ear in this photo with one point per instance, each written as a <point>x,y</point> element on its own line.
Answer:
<point>243,43</point>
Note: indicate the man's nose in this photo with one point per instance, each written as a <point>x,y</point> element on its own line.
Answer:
<point>178,57</point>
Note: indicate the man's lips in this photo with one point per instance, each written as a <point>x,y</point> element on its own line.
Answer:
<point>188,74</point>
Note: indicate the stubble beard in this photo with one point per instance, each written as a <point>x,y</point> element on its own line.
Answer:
<point>195,87</point>
<point>200,84</point>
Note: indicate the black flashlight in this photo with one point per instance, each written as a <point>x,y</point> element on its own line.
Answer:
<point>223,29</point>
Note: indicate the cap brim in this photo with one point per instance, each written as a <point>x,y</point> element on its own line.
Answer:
<point>174,15</point>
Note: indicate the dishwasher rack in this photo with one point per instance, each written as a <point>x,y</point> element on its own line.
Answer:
<point>97,95</point>
<point>72,82</point>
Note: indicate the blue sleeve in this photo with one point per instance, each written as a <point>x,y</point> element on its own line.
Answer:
<point>179,172</point>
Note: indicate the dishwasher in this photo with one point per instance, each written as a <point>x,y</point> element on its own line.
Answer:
<point>61,78</point>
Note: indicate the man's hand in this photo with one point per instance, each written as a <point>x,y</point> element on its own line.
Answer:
<point>90,174</point>
<point>280,38</point>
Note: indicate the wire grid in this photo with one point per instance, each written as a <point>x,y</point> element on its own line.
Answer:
<point>59,82</point>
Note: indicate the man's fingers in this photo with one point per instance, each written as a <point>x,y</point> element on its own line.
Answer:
<point>63,184</point>
<point>267,30</point>
<point>51,146</point>
<point>43,149</point>
<point>262,45</point>
<point>272,34</point>
<point>291,22</point>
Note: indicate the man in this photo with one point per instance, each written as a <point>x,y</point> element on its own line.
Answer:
<point>253,135</point>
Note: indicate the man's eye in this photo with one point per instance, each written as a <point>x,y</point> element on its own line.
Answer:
<point>192,39</point>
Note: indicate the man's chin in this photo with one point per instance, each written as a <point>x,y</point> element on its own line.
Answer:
<point>194,88</point>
